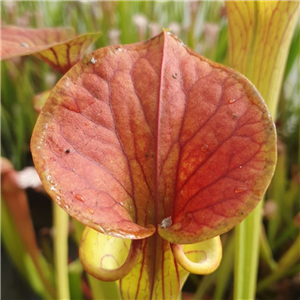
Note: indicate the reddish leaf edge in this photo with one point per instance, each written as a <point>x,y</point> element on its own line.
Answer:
<point>28,51</point>
<point>47,47</point>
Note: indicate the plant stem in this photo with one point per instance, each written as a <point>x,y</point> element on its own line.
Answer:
<point>61,226</point>
<point>246,255</point>
<point>104,289</point>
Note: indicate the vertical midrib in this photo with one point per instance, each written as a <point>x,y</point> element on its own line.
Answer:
<point>156,200</point>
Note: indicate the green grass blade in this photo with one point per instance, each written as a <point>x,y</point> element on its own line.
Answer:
<point>287,264</point>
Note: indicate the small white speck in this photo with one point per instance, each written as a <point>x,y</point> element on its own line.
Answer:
<point>93,60</point>
<point>166,222</point>
<point>25,45</point>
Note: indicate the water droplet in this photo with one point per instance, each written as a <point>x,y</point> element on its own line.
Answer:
<point>234,115</point>
<point>181,192</point>
<point>91,211</point>
<point>240,189</point>
<point>25,45</point>
<point>79,197</point>
<point>230,101</point>
<point>240,167</point>
<point>67,206</point>
<point>121,203</point>
<point>204,148</point>
<point>52,188</point>
<point>93,60</point>
<point>174,75</point>
<point>119,49</point>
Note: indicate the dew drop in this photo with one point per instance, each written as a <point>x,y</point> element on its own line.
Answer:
<point>52,188</point>
<point>240,189</point>
<point>230,101</point>
<point>240,167</point>
<point>67,207</point>
<point>79,197</point>
<point>174,75</point>
<point>204,148</point>
<point>121,203</point>
<point>91,211</point>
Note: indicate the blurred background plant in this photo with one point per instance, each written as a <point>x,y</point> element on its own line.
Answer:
<point>203,26</point>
